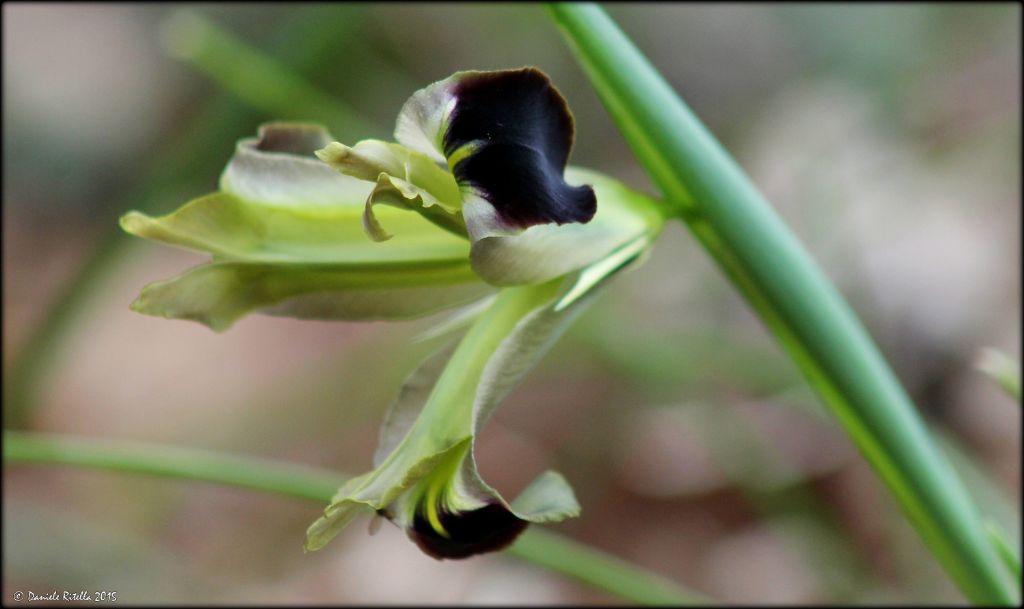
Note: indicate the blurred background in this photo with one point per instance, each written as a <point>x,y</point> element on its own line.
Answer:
<point>888,137</point>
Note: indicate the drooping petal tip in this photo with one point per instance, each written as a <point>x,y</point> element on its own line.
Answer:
<point>506,135</point>
<point>487,529</point>
<point>522,132</point>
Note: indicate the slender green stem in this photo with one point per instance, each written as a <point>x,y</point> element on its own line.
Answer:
<point>543,548</point>
<point>265,475</point>
<point>1001,369</point>
<point>600,570</point>
<point>752,245</point>
<point>254,77</point>
<point>1006,553</point>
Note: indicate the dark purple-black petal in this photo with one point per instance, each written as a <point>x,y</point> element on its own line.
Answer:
<point>523,131</point>
<point>487,529</point>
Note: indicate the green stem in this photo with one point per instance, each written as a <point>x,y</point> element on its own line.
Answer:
<point>254,77</point>
<point>1006,553</point>
<point>756,250</point>
<point>173,462</point>
<point>600,570</point>
<point>1003,370</point>
<point>541,547</point>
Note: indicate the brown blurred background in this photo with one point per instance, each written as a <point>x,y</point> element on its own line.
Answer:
<point>888,137</point>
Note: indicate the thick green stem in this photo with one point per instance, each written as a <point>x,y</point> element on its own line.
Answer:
<point>543,548</point>
<point>752,245</point>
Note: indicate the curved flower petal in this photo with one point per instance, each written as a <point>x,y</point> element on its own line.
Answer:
<point>286,238</point>
<point>278,168</point>
<point>229,227</point>
<point>370,158</point>
<point>426,478</point>
<point>546,251</point>
<point>506,135</point>
<point>219,293</point>
<point>279,202</point>
<point>405,178</point>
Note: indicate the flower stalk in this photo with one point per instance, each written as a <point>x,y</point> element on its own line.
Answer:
<point>770,267</point>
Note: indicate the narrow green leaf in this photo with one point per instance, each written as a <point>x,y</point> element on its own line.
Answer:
<point>601,570</point>
<point>1007,553</point>
<point>544,548</point>
<point>258,79</point>
<point>290,480</point>
<point>1001,369</point>
<point>785,287</point>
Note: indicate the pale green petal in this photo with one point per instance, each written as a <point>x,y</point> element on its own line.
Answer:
<point>370,158</point>
<point>545,251</point>
<point>228,227</point>
<point>278,169</point>
<point>403,195</point>
<point>431,424</point>
<point>423,119</point>
<point>443,422</point>
<point>407,406</point>
<point>549,498</point>
<point>287,240</point>
<point>456,322</point>
<point>367,494</point>
<point>219,293</point>
<point>403,178</point>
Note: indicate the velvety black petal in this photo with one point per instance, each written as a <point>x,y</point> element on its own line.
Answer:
<point>521,132</point>
<point>487,529</point>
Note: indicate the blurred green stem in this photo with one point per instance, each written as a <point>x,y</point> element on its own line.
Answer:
<point>1010,558</point>
<point>769,266</point>
<point>600,570</point>
<point>1001,369</point>
<point>538,546</point>
<point>254,77</point>
<point>192,155</point>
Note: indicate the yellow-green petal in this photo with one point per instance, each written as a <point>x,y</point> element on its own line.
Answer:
<point>231,228</point>
<point>219,293</point>
<point>449,511</point>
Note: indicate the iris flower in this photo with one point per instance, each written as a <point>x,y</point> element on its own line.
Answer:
<point>474,203</point>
